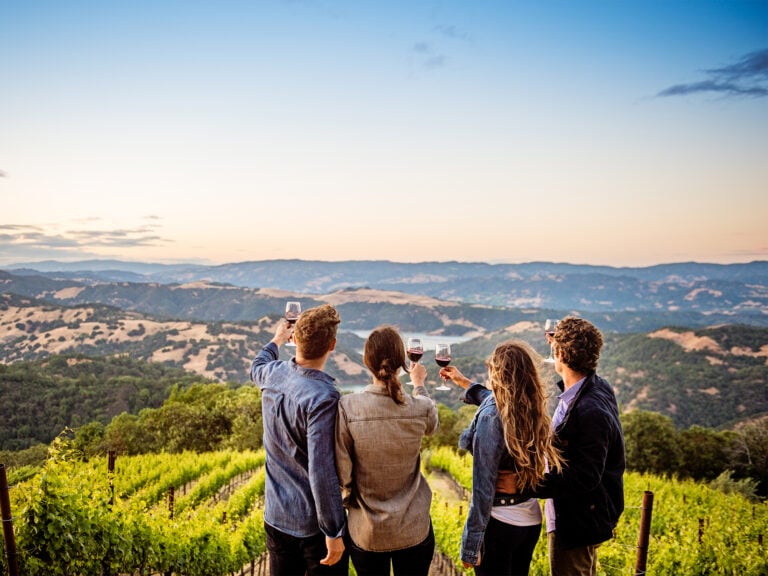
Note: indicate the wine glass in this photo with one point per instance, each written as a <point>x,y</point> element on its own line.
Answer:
<point>550,325</point>
<point>443,358</point>
<point>415,350</point>
<point>292,311</point>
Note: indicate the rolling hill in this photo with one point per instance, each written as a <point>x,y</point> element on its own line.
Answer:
<point>712,376</point>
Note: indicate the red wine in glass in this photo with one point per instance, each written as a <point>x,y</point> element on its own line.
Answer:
<point>414,355</point>
<point>443,359</point>
<point>550,325</point>
<point>292,311</point>
<point>414,350</point>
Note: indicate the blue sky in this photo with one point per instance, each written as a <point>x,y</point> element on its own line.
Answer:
<point>611,132</point>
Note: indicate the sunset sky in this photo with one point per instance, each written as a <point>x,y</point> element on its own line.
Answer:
<point>594,132</point>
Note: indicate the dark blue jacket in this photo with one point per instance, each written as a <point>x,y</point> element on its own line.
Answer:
<point>589,492</point>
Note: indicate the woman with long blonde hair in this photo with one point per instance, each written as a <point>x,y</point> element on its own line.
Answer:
<point>510,433</point>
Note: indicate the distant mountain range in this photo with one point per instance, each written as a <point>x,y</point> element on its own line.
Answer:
<point>689,294</point>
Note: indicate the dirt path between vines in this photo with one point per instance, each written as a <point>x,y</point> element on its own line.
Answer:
<point>443,484</point>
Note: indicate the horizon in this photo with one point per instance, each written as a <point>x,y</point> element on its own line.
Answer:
<point>52,262</point>
<point>610,134</point>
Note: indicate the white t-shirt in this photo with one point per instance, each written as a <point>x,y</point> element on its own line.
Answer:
<point>526,513</point>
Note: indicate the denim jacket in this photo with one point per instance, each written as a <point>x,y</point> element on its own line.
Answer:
<point>484,439</point>
<point>302,494</point>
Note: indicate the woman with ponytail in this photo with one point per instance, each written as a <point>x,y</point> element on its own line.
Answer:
<point>510,433</point>
<point>378,445</point>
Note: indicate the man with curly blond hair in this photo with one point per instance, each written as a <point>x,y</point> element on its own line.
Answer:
<point>303,514</point>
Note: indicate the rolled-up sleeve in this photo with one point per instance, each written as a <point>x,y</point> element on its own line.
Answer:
<point>475,394</point>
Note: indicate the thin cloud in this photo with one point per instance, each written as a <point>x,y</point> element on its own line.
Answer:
<point>725,88</point>
<point>453,32</point>
<point>428,57</point>
<point>753,65</point>
<point>746,77</point>
<point>117,238</point>
<point>19,241</point>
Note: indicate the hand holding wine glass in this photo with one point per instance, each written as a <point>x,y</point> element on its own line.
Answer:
<point>292,311</point>
<point>550,325</point>
<point>443,358</point>
<point>414,350</point>
<point>454,375</point>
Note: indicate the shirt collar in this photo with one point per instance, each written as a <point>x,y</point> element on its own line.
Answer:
<point>313,373</point>
<point>571,392</point>
<point>376,389</point>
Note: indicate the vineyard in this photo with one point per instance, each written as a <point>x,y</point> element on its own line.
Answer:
<point>200,515</point>
<point>694,531</point>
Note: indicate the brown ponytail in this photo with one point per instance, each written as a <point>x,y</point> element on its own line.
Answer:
<point>384,355</point>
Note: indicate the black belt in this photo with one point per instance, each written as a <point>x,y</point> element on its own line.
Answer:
<point>500,499</point>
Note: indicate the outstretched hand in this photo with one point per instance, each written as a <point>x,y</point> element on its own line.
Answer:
<point>454,374</point>
<point>283,332</point>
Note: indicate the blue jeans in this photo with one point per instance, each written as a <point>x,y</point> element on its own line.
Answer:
<point>413,561</point>
<point>292,556</point>
<point>507,549</point>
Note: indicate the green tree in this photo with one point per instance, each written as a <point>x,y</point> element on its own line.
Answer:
<point>126,435</point>
<point>89,438</point>
<point>704,452</point>
<point>651,443</point>
<point>749,452</point>
<point>452,422</point>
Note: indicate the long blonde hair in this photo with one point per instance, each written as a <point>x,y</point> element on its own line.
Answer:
<point>522,405</point>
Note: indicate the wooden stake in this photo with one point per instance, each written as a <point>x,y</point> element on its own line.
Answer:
<point>645,532</point>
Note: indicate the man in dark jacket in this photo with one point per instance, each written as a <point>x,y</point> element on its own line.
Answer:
<point>586,499</point>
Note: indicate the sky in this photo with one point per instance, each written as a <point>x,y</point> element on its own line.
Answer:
<point>612,132</point>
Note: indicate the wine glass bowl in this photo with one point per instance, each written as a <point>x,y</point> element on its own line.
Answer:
<point>550,326</point>
<point>415,350</point>
<point>292,311</point>
<point>443,359</point>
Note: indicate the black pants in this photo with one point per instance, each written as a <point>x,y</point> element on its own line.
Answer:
<point>507,549</point>
<point>292,556</point>
<point>413,561</point>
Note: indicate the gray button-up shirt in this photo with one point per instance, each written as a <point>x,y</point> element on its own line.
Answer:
<point>378,457</point>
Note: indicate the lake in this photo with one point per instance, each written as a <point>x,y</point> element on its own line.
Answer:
<point>429,341</point>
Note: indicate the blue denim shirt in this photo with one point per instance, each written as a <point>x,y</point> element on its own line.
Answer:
<point>302,493</point>
<point>484,439</point>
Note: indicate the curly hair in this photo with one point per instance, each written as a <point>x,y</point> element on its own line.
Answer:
<point>384,355</point>
<point>522,406</point>
<point>315,331</point>
<point>578,344</point>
